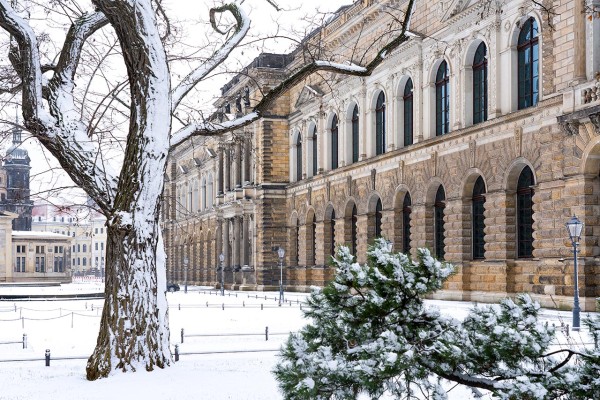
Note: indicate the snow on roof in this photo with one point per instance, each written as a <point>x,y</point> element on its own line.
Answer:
<point>38,235</point>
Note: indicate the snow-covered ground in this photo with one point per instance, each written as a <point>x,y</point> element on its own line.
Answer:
<point>68,328</point>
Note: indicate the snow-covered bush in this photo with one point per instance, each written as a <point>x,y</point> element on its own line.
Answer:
<point>372,333</point>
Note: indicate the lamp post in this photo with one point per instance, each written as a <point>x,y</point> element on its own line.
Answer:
<point>185,272</point>
<point>281,253</point>
<point>222,258</point>
<point>574,227</point>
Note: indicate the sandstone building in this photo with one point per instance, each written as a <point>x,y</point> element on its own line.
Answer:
<point>478,138</point>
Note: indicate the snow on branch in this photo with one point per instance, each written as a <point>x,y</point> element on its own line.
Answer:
<point>296,77</point>
<point>240,30</point>
<point>60,130</point>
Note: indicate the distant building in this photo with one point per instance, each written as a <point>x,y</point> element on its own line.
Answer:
<point>27,256</point>
<point>14,183</point>
<point>84,226</point>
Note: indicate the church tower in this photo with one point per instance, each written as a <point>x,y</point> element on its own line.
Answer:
<point>17,165</point>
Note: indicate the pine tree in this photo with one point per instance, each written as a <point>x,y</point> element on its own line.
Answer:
<point>372,333</point>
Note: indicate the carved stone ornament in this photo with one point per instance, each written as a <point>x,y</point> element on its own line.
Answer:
<point>595,120</point>
<point>328,191</point>
<point>307,95</point>
<point>434,163</point>
<point>373,176</point>
<point>518,141</point>
<point>401,171</point>
<point>570,127</point>
<point>309,196</point>
<point>349,185</point>
<point>472,148</point>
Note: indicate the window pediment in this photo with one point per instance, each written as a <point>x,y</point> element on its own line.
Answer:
<point>308,94</point>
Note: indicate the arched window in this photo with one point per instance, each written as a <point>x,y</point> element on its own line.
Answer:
<point>480,84</point>
<point>334,142</point>
<point>478,221</point>
<point>378,218</point>
<point>380,124</point>
<point>408,113</point>
<point>438,223</point>
<point>406,210</point>
<point>442,100</point>
<point>299,158</point>
<point>525,214</point>
<point>314,150</point>
<point>528,64</point>
<point>354,223</point>
<point>332,234</point>
<point>85,248</point>
<point>355,151</point>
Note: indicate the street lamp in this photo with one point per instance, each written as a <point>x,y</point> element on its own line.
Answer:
<point>574,227</point>
<point>222,258</point>
<point>281,253</point>
<point>185,271</point>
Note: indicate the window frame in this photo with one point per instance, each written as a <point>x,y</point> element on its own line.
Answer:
<point>408,113</point>
<point>380,124</point>
<point>442,99</point>
<point>480,84</point>
<point>528,64</point>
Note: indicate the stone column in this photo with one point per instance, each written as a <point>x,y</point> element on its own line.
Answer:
<point>320,240</point>
<point>247,159</point>
<point>500,218</point>
<point>362,226</point>
<point>227,168</point>
<point>420,226</point>
<point>227,261</point>
<point>220,171</point>
<point>238,163</point>
<point>457,226</point>
<point>246,240</point>
<point>236,240</point>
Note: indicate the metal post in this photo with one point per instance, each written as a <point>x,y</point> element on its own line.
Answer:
<point>281,253</point>
<point>222,258</point>
<point>576,309</point>
<point>176,353</point>
<point>24,340</point>
<point>185,273</point>
<point>47,357</point>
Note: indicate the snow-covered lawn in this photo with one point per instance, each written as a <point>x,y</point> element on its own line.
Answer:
<point>69,328</point>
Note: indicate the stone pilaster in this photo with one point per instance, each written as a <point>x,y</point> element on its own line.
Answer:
<point>500,236</point>
<point>362,237</point>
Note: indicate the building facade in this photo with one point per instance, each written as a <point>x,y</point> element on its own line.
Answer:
<point>478,138</point>
<point>27,256</point>
<point>87,231</point>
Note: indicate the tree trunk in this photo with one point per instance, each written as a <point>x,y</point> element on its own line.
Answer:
<point>134,330</point>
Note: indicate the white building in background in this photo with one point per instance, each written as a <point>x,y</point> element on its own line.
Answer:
<point>85,226</point>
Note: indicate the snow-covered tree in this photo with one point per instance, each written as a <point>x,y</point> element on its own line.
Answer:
<point>134,331</point>
<point>372,333</point>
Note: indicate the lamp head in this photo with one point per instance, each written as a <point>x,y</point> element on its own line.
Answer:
<point>281,252</point>
<point>221,257</point>
<point>574,227</point>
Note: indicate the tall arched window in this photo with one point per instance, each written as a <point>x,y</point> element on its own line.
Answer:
<point>378,218</point>
<point>478,221</point>
<point>525,214</point>
<point>380,124</point>
<point>442,100</point>
<point>354,223</point>
<point>408,113</point>
<point>528,64</point>
<point>332,234</point>
<point>406,210</point>
<point>480,84</point>
<point>334,142</point>
<point>438,223</point>
<point>299,158</point>
<point>314,150</point>
<point>355,151</point>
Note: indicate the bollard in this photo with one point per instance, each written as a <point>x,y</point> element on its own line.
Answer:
<point>71,319</point>
<point>243,304</point>
<point>22,323</point>
<point>207,304</point>
<point>261,306</point>
<point>266,333</point>
<point>24,340</point>
<point>176,353</point>
<point>92,307</point>
<point>86,305</point>
<point>15,307</point>
<point>47,357</point>
<point>567,330</point>
<point>223,306</point>
<point>301,306</point>
<point>265,297</point>
<point>181,335</point>
<point>179,307</point>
